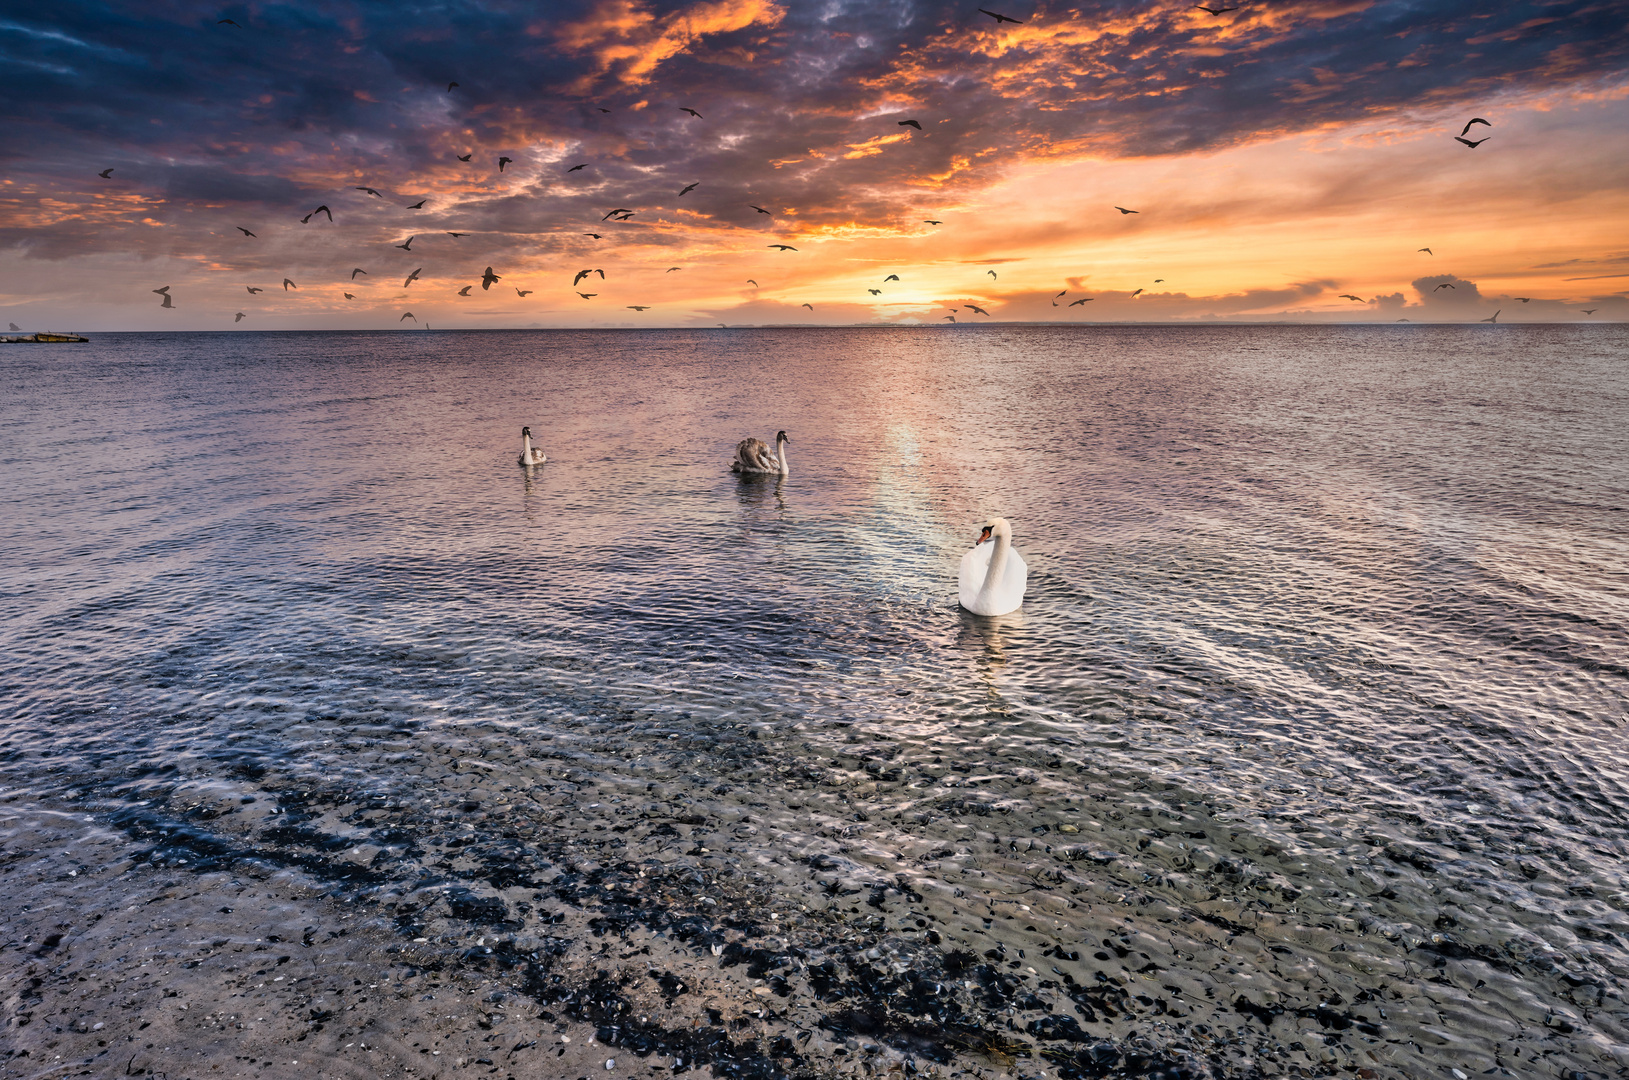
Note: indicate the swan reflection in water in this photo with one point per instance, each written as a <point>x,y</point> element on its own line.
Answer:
<point>991,636</point>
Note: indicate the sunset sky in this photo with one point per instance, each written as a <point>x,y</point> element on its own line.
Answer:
<point>1279,156</point>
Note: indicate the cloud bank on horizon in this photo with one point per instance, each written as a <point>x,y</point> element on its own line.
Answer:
<point>1282,159</point>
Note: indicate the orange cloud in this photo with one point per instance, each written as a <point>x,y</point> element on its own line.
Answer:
<point>626,35</point>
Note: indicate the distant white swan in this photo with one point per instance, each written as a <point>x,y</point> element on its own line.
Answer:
<point>752,456</point>
<point>993,578</point>
<point>529,454</point>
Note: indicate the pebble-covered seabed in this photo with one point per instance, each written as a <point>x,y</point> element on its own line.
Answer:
<point>336,787</point>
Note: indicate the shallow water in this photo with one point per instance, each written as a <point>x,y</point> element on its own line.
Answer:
<point>1305,752</point>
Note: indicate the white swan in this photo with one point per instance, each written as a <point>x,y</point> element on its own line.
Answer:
<point>993,578</point>
<point>529,454</point>
<point>752,456</point>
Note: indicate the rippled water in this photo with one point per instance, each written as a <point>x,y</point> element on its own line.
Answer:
<point>1306,750</point>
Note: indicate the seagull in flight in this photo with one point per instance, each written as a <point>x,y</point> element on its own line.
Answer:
<point>874,292</point>
<point>165,293</point>
<point>638,307</point>
<point>1083,300</point>
<point>239,317</point>
<point>488,278</point>
<point>314,213</point>
<point>523,292</point>
<point>1586,311</point>
<point>692,112</point>
<point>588,295</point>
<point>760,209</point>
<point>1444,285</point>
<point>910,123</point>
<point>414,276</point>
<point>465,290</point>
<point>409,245</point>
<point>226,22</point>
<point>1428,251</point>
<point>348,296</point>
<point>930,221</point>
<point>1134,294</point>
<point>1123,210</point>
<point>691,187</point>
<point>809,306</point>
<point>1060,296</point>
<point>1215,11</point>
<point>244,231</point>
<point>105,173</point>
<point>465,157</point>
<point>1349,296</point>
<point>976,308</point>
<point>252,289</point>
<point>504,161</point>
<point>1000,18</point>
<point>618,210</point>
<point>584,273</point>
<point>370,191</point>
<point>754,284</point>
<point>418,205</point>
<point>1494,318</point>
<point>407,315</point>
<point>357,271</point>
<point>595,235</point>
<point>456,235</point>
<point>574,168</point>
<point>783,247</point>
<point>670,269</point>
<point>451,86</point>
<point>1474,120</point>
<point>950,318</point>
<point>1469,143</point>
<point>992,274</point>
<point>890,277</point>
<point>287,285</point>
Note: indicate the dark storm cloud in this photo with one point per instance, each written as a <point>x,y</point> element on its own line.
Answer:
<point>800,103</point>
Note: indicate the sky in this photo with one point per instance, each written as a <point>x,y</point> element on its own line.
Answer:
<point>1285,159</point>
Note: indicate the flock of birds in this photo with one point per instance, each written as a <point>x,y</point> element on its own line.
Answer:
<point>624,214</point>
<point>991,580</point>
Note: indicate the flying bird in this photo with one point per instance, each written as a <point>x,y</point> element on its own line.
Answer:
<point>406,316</point>
<point>602,110</point>
<point>414,276</point>
<point>165,293</point>
<point>588,295</point>
<point>809,306</point>
<point>1061,294</point>
<point>465,290</point>
<point>370,191</point>
<point>523,292</point>
<point>1469,143</point>
<point>456,235</point>
<point>1428,251</point>
<point>1474,120</point>
<point>314,213</point>
<point>637,307</point>
<point>976,308</point>
<point>670,269</point>
<point>1123,210</point>
<point>244,231</point>
<point>239,317</point>
<point>348,296</point>
<point>1083,300</point>
<point>1158,280</point>
<point>418,205</point>
<point>595,235</point>
<point>890,277</point>
<point>692,112</point>
<point>760,209</point>
<point>1349,296</point>
<point>287,285</point>
<point>874,292</point>
<point>1215,11</point>
<point>691,187</point>
<point>754,284</point>
<point>450,87</point>
<point>504,161</point>
<point>1444,285</point>
<point>464,157</point>
<point>992,274</point>
<point>357,271</point>
<point>930,221</point>
<point>618,210</point>
<point>1134,294</point>
<point>1586,311</point>
<point>226,22</point>
<point>252,289</point>
<point>574,168</point>
<point>1000,18</point>
<point>1523,299</point>
<point>950,318</point>
<point>489,277</point>
<point>409,245</point>
<point>910,123</point>
<point>783,247</point>
<point>584,273</point>
<point>105,173</point>
<point>1494,318</point>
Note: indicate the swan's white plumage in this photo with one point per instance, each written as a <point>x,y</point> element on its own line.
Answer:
<point>984,593</point>
<point>529,454</point>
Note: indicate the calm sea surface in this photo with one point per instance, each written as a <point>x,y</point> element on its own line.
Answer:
<point>1306,750</point>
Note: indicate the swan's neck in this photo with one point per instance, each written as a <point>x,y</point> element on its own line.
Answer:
<point>526,446</point>
<point>998,563</point>
<point>780,455</point>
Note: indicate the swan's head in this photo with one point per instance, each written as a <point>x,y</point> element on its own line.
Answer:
<point>992,528</point>
<point>526,432</point>
<point>780,437</point>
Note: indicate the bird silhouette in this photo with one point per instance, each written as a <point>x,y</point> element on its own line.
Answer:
<point>1444,285</point>
<point>618,210</point>
<point>588,295</point>
<point>523,292</point>
<point>409,245</point>
<point>418,205</point>
<point>489,277</point>
<point>992,274</point>
<point>910,123</point>
<point>405,316</point>
<point>226,22</point>
<point>874,292</point>
<point>1000,18</point>
<point>287,285</point>
<point>602,110</point>
<point>1523,299</point>
<point>244,231</point>
<point>1469,143</point>
<point>456,235</point>
<point>809,306</point>
<point>692,112</point>
<point>1134,294</point>
<point>1349,296</point>
<point>414,276</point>
<point>1061,294</point>
<point>465,290</point>
<point>252,289</point>
<point>783,247</point>
<point>165,293</point>
<point>1586,311</point>
<point>1083,300</point>
<point>504,161</point>
<point>357,271</point>
<point>691,187</point>
<point>670,269</point>
<point>754,284</point>
<point>370,191</point>
<point>976,309</point>
<point>314,213</point>
<point>450,87</point>
<point>1428,251</point>
<point>348,296</point>
<point>890,277</point>
<point>638,307</point>
<point>930,221</point>
<point>595,235</point>
<point>574,168</point>
<point>464,157</point>
<point>584,273</point>
<point>105,173</point>
<point>1123,210</point>
<point>1494,318</point>
<point>950,318</point>
<point>1215,11</point>
<point>239,317</point>
<point>1474,120</point>
<point>760,209</point>
<point>1158,280</point>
